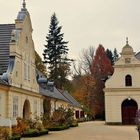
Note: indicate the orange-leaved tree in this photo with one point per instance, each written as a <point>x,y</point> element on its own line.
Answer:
<point>101,64</point>
<point>101,69</point>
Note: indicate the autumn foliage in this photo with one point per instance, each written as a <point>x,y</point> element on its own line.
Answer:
<point>89,87</point>
<point>101,64</point>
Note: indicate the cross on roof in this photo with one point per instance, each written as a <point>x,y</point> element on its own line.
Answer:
<point>127,40</point>
<point>24,4</point>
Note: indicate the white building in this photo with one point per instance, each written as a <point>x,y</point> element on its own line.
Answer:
<point>21,92</point>
<point>122,90</point>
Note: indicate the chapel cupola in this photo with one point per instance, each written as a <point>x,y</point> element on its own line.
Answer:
<point>23,12</point>
<point>127,49</point>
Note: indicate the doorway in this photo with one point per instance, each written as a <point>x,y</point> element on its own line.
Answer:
<point>129,108</point>
<point>26,109</point>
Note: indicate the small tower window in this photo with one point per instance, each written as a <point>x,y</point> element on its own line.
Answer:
<point>128,80</point>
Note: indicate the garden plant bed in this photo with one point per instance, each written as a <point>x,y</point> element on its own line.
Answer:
<point>34,133</point>
<point>18,137</point>
<point>58,128</point>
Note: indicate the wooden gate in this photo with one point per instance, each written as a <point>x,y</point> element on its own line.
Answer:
<point>129,108</point>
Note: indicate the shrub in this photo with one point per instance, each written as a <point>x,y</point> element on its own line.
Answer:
<point>35,124</point>
<point>29,127</point>
<point>61,119</point>
<point>30,133</point>
<point>34,133</point>
<point>45,120</point>
<point>43,132</point>
<point>4,133</point>
<point>59,116</point>
<point>58,128</point>
<point>22,125</point>
<point>15,137</point>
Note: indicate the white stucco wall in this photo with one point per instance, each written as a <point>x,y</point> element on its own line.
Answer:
<point>3,103</point>
<point>118,78</point>
<point>115,89</point>
<point>113,102</point>
<point>24,52</point>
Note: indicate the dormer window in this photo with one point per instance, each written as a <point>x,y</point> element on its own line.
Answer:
<point>128,80</point>
<point>127,60</point>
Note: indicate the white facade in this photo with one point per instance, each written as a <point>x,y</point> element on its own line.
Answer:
<point>123,85</point>
<point>20,94</point>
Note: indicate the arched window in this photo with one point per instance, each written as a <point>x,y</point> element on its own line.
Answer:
<point>128,80</point>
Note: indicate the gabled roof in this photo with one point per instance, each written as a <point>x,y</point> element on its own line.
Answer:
<point>3,82</point>
<point>5,37</point>
<point>138,55</point>
<point>71,99</point>
<point>53,94</point>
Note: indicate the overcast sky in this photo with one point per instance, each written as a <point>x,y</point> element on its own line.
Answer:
<point>85,22</point>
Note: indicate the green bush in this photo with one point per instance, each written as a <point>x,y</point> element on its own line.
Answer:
<point>15,137</point>
<point>58,128</point>
<point>43,132</point>
<point>34,133</point>
<point>30,133</point>
<point>60,119</point>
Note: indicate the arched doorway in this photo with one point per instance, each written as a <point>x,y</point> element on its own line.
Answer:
<point>26,109</point>
<point>129,108</point>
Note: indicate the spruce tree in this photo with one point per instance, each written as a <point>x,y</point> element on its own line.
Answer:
<point>55,52</point>
<point>110,56</point>
<point>115,55</point>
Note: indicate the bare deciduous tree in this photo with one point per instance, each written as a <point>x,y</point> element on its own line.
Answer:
<point>86,59</point>
<point>84,63</point>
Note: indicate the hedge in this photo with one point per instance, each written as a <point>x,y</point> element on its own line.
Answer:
<point>34,133</point>
<point>58,128</point>
<point>15,137</point>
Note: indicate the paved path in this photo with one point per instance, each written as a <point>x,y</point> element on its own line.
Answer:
<point>92,131</point>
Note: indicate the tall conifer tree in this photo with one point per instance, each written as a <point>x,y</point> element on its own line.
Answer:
<point>116,55</point>
<point>110,56</point>
<point>55,52</point>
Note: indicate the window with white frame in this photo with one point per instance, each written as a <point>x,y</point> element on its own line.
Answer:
<point>15,106</point>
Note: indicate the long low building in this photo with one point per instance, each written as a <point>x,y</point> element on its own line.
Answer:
<point>21,92</point>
